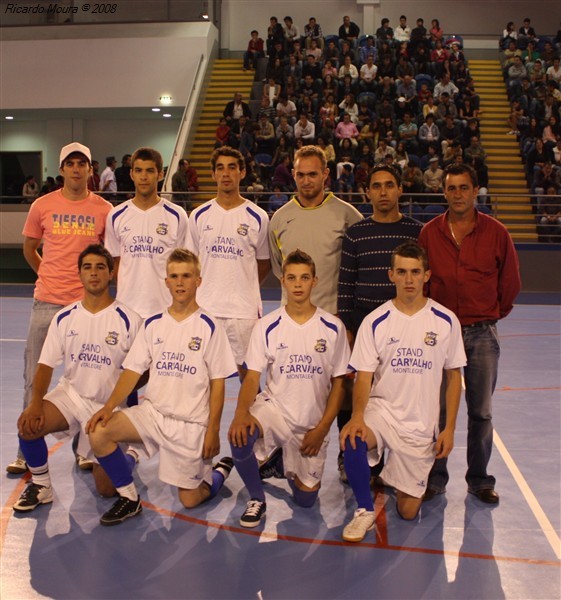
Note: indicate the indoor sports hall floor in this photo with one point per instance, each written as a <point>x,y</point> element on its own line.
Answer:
<point>459,548</point>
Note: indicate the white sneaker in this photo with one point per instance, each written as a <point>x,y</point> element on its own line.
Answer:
<point>84,463</point>
<point>17,467</point>
<point>32,496</point>
<point>362,522</point>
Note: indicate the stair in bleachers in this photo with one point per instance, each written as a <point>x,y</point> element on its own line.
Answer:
<point>506,170</point>
<point>227,77</point>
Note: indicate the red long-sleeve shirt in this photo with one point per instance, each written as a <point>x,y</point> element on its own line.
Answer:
<point>478,281</point>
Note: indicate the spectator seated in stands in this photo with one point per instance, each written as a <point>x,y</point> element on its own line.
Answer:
<point>282,175</point>
<point>428,133</point>
<point>346,129</point>
<point>407,133</point>
<point>349,31</point>
<point>349,106</point>
<point>445,108</point>
<point>347,68</point>
<point>222,134</point>
<point>285,130</point>
<point>293,68</point>
<point>475,150</point>
<point>291,33</point>
<point>255,51</point>
<point>445,85</point>
<point>412,180</point>
<point>312,31</point>
<point>275,35</point>
<point>264,136</point>
<point>432,179</point>
<point>516,72</point>
<point>367,74</point>
<point>549,217</point>
<point>236,108</point>
<point>305,130</point>
<point>346,182</point>
<point>368,49</point>
<point>331,53</point>
<point>277,199</point>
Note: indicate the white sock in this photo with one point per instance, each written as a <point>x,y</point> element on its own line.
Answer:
<point>40,475</point>
<point>128,491</point>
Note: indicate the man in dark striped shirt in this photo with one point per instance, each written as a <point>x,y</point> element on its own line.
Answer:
<point>365,260</point>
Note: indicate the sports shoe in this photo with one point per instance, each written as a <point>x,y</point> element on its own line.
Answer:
<point>123,509</point>
<point>32,496</point>
<point>224,466</point>
<point>85,464</point>
<point>341,468</point>
<point>254,512</point>
<point>362,522</point>
<point>273,466</point>
<point>17,467</point>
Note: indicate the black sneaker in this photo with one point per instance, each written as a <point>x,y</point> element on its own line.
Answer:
<point>224,466</point>
<point>272,466</point>
<point>123,509</point>
<point>32,496</point>
<point>254,512</point>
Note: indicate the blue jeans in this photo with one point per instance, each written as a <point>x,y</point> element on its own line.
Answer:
<point>42,314</point>
<point>482,350</point>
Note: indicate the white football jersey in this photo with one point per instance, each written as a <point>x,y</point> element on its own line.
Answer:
<point>143,239</point>
<point>300,361</point>
<point>228,243</point>
<point>91,345</point>
<point>183,356</point>
<point>407,355</point>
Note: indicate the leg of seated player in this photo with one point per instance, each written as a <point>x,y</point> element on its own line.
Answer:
<point>34,449</point>
<point>358,472</point>
<point>104,442</point>
<point>103,484</point>
<point>303,495</point>
<point>407,506</point>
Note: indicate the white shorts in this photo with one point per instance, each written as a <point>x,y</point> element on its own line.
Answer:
<point>239,334</point>
<point>180,445</point>
<point>409,460</point>
<point>277,433</point>
<point>77,412</point>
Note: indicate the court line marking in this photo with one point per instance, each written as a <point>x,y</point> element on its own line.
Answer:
<point>11,340</point>
<point>323,542</point>
<point>381,529</point>
<point>539,514</point>
<point>507,388</point>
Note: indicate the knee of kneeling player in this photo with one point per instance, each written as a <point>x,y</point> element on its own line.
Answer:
<point>303,495</point>
<point>192,498</point>
<point>407,513</point>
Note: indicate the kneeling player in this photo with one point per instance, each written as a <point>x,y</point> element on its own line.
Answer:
<point>189,358</point>
<point>305,352</point>
<point>92,338</point>
<point>400,351</point>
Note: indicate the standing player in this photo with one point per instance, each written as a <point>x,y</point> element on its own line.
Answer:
<point>315,222</point>
<point>305,353</point>
<point>91,338</point>
<point>66,221</point>
<point>229,234</point>
<point>188,356</point>
<point>475,274</point>
<point>365,260</point>
<point>399,353</point>
<point>141,234</point>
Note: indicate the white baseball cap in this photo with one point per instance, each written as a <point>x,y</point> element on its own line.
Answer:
<point>74,147</point>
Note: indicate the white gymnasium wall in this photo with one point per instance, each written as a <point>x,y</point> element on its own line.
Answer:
<point>239,17</point>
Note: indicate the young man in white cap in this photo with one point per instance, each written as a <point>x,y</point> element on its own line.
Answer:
<point>65,221</point>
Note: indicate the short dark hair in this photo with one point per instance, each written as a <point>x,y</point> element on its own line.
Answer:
<point>254,31</point>
<point>385,169</point>
<point>98,250</point>
<point>146,153</point>
<point>410,250</point>
<point>461,169</point>
<point>125,157</point>
<point>299,257</point>
<point>227,151</point>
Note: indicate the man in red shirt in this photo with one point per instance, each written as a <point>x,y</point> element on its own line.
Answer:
<point>475,273</point>
<point>254,51</point>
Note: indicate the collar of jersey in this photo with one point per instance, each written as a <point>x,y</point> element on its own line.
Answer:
<point>328,196</point>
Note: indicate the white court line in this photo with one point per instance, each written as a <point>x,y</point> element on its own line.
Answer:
<point>10,340</point>
<point>531,499</point>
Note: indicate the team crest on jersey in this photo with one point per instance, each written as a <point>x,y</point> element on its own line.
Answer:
<point>430,338</point>
<point>162,229</point>
<point>243,229</point>
<point>195,344</point>
<point>321,346</point>
<point>112,338</point>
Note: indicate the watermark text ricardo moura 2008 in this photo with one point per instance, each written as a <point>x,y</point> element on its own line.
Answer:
<point>17,8</point>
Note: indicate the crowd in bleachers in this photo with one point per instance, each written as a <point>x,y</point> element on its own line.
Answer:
<point>532,70</point>
<point>403,96</point>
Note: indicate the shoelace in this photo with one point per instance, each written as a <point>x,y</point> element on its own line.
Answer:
<point>253,507</point>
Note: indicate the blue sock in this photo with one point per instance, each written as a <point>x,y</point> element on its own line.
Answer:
<point>132,399</point>
<point>117,467</point>
<point>358,473</point>
<point>130,461</point>
<point>302,498</point>
<point>248,467</point>
<point>34,451</point>
<point>217,483</point>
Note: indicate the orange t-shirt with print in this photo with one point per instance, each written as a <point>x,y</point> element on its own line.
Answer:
<point>66,227</point>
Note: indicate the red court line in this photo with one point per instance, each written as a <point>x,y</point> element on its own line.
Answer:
<point>318,542</point>
<point>507,388</point>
